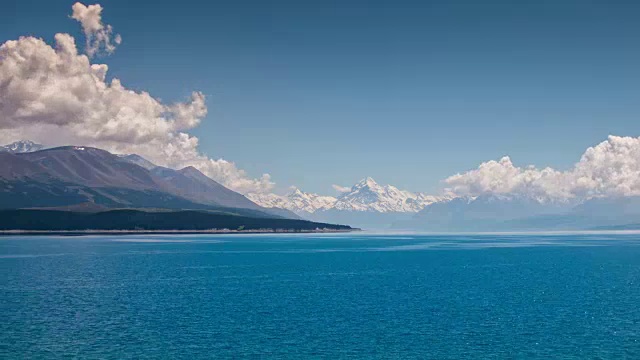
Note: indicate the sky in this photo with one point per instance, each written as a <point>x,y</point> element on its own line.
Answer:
<point>409,93</point>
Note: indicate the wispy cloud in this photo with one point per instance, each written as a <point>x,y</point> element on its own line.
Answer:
<point>341,189</point>
<point>99,36</point>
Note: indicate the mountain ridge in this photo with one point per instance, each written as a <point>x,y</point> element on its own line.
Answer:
<point>67,176</point>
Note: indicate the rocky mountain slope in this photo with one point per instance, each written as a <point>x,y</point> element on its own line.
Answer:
<point>72,175</point>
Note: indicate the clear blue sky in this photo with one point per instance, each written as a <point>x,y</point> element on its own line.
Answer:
<point>328,92</point>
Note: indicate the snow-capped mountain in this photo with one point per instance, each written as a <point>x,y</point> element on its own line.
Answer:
<point>366,204</point>
<point>365,196</point>
<point>23,146</point>
<point>296,201</point>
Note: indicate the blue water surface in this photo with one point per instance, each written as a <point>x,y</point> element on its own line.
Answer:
<point>321,296</point>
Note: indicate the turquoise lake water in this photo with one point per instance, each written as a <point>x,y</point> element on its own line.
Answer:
<point>321,296</point>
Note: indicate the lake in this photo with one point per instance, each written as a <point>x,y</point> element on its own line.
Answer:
<point>321,296</point>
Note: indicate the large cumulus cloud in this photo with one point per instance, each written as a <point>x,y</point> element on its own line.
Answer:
<point>56,96</point>
<point>611,168</point>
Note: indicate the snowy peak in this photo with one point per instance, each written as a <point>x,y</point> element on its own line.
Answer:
<point>367,182</point>
<point>20,147</point>
<point>366,196</point>
<point>295,192</point>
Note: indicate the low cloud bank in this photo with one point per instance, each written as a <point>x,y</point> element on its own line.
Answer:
<point>611,168</point>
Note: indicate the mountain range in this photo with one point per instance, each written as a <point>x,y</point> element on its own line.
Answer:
<point>82,178</point>
<point>372,206</point>
<point>521,213</point>
<point>366,204</point>
<point>90,179</point>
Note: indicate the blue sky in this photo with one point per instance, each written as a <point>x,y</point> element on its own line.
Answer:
<point>321,93</point>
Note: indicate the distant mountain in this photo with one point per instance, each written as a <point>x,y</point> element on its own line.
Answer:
<point>367,204</point>
<point>23,146</point>
<point>520,213</point>
<point>138,160</point>
<point>367,195</point>
<point>477,213</point>
<point>618,227</point>
<point>597,213</point>
<point>296,201</point>
<point>75,175</point>
<point>610,208</point>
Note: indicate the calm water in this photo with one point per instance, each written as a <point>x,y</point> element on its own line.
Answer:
<point>360,296</point>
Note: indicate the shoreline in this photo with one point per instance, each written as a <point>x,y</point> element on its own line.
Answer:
<point>169,232</point>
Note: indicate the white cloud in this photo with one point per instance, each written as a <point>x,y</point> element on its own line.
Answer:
<point>99,36</point>
<point>341,189</point>
<point>55,96</point>
<point>612,168</point>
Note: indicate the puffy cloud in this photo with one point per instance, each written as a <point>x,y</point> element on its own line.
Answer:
<point>612,168</point>
<point>341,189</point>
<point>99,36</point>
<point>55,96</point>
